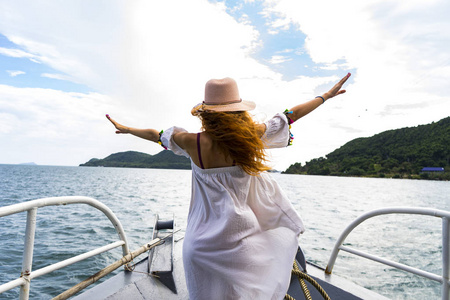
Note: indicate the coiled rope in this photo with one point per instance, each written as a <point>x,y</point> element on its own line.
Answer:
<point>301,279</point>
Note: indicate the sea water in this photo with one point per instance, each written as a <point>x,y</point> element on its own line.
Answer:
<point>326,204</point>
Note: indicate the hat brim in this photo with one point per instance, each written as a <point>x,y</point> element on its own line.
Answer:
<point>244,105</point>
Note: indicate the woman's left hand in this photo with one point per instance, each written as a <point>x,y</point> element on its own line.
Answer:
<point>336,89</point>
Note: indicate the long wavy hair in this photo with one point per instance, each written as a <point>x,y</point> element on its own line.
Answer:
<point>237,136</point>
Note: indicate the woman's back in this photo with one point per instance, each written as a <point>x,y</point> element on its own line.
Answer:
<point>209,153</point>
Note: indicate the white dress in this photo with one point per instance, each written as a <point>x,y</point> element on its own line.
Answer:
<point>242,231</point>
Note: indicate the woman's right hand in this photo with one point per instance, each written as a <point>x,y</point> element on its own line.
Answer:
<point>120,128</point>
<point>336,89</point>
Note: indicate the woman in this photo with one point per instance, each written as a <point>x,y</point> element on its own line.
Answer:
<point>242,232</point>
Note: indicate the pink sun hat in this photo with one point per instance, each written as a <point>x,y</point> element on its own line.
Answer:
<point>222,95</point>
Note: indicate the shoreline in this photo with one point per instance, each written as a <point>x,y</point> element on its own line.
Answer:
<point>445,176</point>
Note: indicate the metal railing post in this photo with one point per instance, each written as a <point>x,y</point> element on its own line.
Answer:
<point>27,261</point>
<point>444,215</point>
<point>445,258</point>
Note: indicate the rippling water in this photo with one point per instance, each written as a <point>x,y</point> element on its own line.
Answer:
<point>326,204</point>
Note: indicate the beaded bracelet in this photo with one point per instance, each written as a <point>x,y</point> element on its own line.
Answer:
<point>323,99</point>
<point>291,136</point>
<point>159,140</point>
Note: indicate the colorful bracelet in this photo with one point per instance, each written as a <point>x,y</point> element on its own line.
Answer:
<point>159,140</point>
<point>291,136</point>
<point>323,99</point>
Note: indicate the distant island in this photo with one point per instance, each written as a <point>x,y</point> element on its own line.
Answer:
<point>28,164</point>
<point>133,159</point>
<point>421,152</point>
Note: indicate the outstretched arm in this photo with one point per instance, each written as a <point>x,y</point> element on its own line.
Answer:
<point>148,134</point>
<point>303,109</point>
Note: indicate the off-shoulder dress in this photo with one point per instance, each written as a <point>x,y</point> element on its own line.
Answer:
<point>242,231</point>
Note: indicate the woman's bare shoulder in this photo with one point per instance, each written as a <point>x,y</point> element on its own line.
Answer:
<point>186,140</point>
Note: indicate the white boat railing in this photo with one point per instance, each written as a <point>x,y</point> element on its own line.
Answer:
<point>444,215</point>
<point>31,208</point>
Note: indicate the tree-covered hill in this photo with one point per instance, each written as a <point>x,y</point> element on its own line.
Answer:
<point>395,153</point>
<point>133,159</point>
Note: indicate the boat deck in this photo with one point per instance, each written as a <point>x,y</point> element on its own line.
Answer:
<point>136,286</point>
<point>140,285</point>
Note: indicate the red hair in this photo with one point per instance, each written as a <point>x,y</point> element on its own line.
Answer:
<point>237,135</point>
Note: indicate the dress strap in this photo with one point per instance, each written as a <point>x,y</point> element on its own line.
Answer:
<point>199,151</point>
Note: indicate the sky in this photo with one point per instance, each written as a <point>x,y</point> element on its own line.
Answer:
<point>65,64</point>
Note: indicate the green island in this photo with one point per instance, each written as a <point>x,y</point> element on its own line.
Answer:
<point>134,159</point>
<point>400,153</point>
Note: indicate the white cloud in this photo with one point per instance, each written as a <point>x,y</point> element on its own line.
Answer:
<point>47,113</point>
<point>279,24</point>
<point>148,62</point>
<point>329,67</point>
<point>391,46</point>
<point>17,53</point>
<point>15,73</point>
<point>54,127</point>
<point>278,59</point>
<point>7,122</point>
<point>150,59</point>
<point>285,51</point>
<point>57,76</point>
